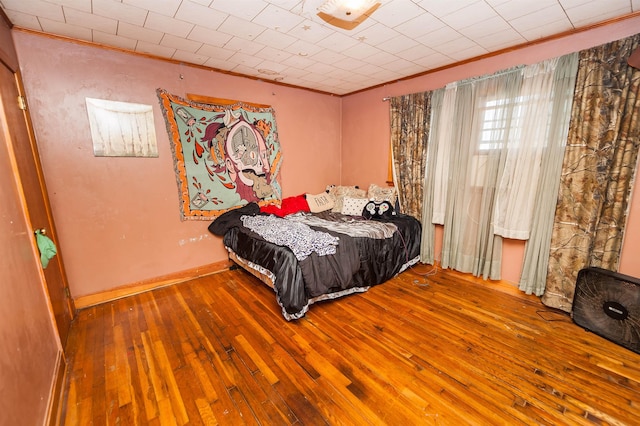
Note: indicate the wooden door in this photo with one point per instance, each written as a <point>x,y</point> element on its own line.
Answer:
<point>38,208</point>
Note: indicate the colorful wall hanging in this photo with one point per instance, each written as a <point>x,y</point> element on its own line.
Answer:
<point>225,155</point>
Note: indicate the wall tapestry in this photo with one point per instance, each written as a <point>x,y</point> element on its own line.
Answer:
<point>225,156</point>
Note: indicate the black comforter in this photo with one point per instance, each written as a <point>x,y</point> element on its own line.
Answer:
<point>359,262</point>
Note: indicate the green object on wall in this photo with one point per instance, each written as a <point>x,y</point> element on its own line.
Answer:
<point>46,247</point>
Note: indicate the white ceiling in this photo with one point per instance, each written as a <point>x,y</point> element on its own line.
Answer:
<point>284,40</point>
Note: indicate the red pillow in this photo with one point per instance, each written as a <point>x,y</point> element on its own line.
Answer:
<point>288,205</point>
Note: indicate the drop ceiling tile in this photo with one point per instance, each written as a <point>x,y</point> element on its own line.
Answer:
<point>163,7</point>
<point>83,19</point>
<point>180,43</point>
<point>339,74</point>
<point>250,8</point>
<point>240,58</point>
<point>206,35</point>
<point>270,66</point>
<point>397,44</point>
<point>595,11</point>
<point>337,42</point>
<point>296,4</point>
<point>369,69</point>
<point>200,15</point>
<point>39,8</point>
<point>553,13</point>
<point>167,24</point>
<point>309,31</point>
<point>568,4</point>
<point>65,29</point>
<point>382,58</point>
<point>413,69</point>
<point>322,69</point>
<point>420,25</point>
<point>328,57</point>
<point>397,12</point>
<point>497,3</point>
<point>119,11</point>
<point>398,65</point>
<point>315,78</point>
<point>513,9</point>
<point>277,18</point>
<point>440,8</point>
<point>237,44</point>
<point>240,28</point>
<point>82,5</point>
<point>361,51</point>
<point>469,52</point>
<point>303,49</point>
<point>439,36</point>
<point>219,64</point>
<point>484,28</point>
<point>377,34</point>
<point>500,40</point>
<point>546,30</point>
<point>215,52</point>
<point>293,72</point>
<point>415,52</point>
<point>275,39</point>
<point>203,2</point>
<point>139,33</point>
<point>240,69</point>
<point>300,62</point>
<point>113,40</point>
<point>457,45</point>
<point>190,57</point>
<point>271,54</point>
<point>24,20</point>
<point>433,60</point>
<point>469,15</point>
<point>588,20</point>
<point>349,64</point>
<point>154,49</point>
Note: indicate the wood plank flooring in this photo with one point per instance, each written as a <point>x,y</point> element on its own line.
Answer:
<point>417,350</point>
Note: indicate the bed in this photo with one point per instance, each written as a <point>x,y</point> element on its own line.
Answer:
<point>308,257</point>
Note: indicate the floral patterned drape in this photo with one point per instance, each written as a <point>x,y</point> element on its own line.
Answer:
<point>598,169</point>
<point>410,116</point>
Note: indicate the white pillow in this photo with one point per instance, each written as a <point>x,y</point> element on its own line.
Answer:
<point>339,192</point>
<point>353,206</point>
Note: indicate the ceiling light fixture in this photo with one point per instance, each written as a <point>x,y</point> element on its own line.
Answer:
<point>347,14</point>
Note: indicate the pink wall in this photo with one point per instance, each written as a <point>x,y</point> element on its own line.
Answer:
<point>365,128</point>
<point>117,218</point>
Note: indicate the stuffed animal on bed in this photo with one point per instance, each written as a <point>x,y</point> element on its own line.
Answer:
<point>378,210</point>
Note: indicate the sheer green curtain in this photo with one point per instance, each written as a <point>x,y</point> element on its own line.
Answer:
<point>427,240</point>
<point>410,116</point>
<point>532,279</point>
<point>597,171</point>
<point>469,242</point>
<point>491,137</point>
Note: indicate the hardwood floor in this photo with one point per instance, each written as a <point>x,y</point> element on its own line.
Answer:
<point>442,349</point>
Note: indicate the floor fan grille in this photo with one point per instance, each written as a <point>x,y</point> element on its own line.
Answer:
<point>608,303</point>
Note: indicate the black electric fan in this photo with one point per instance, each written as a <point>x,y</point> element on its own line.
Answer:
<point>607,303</point>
